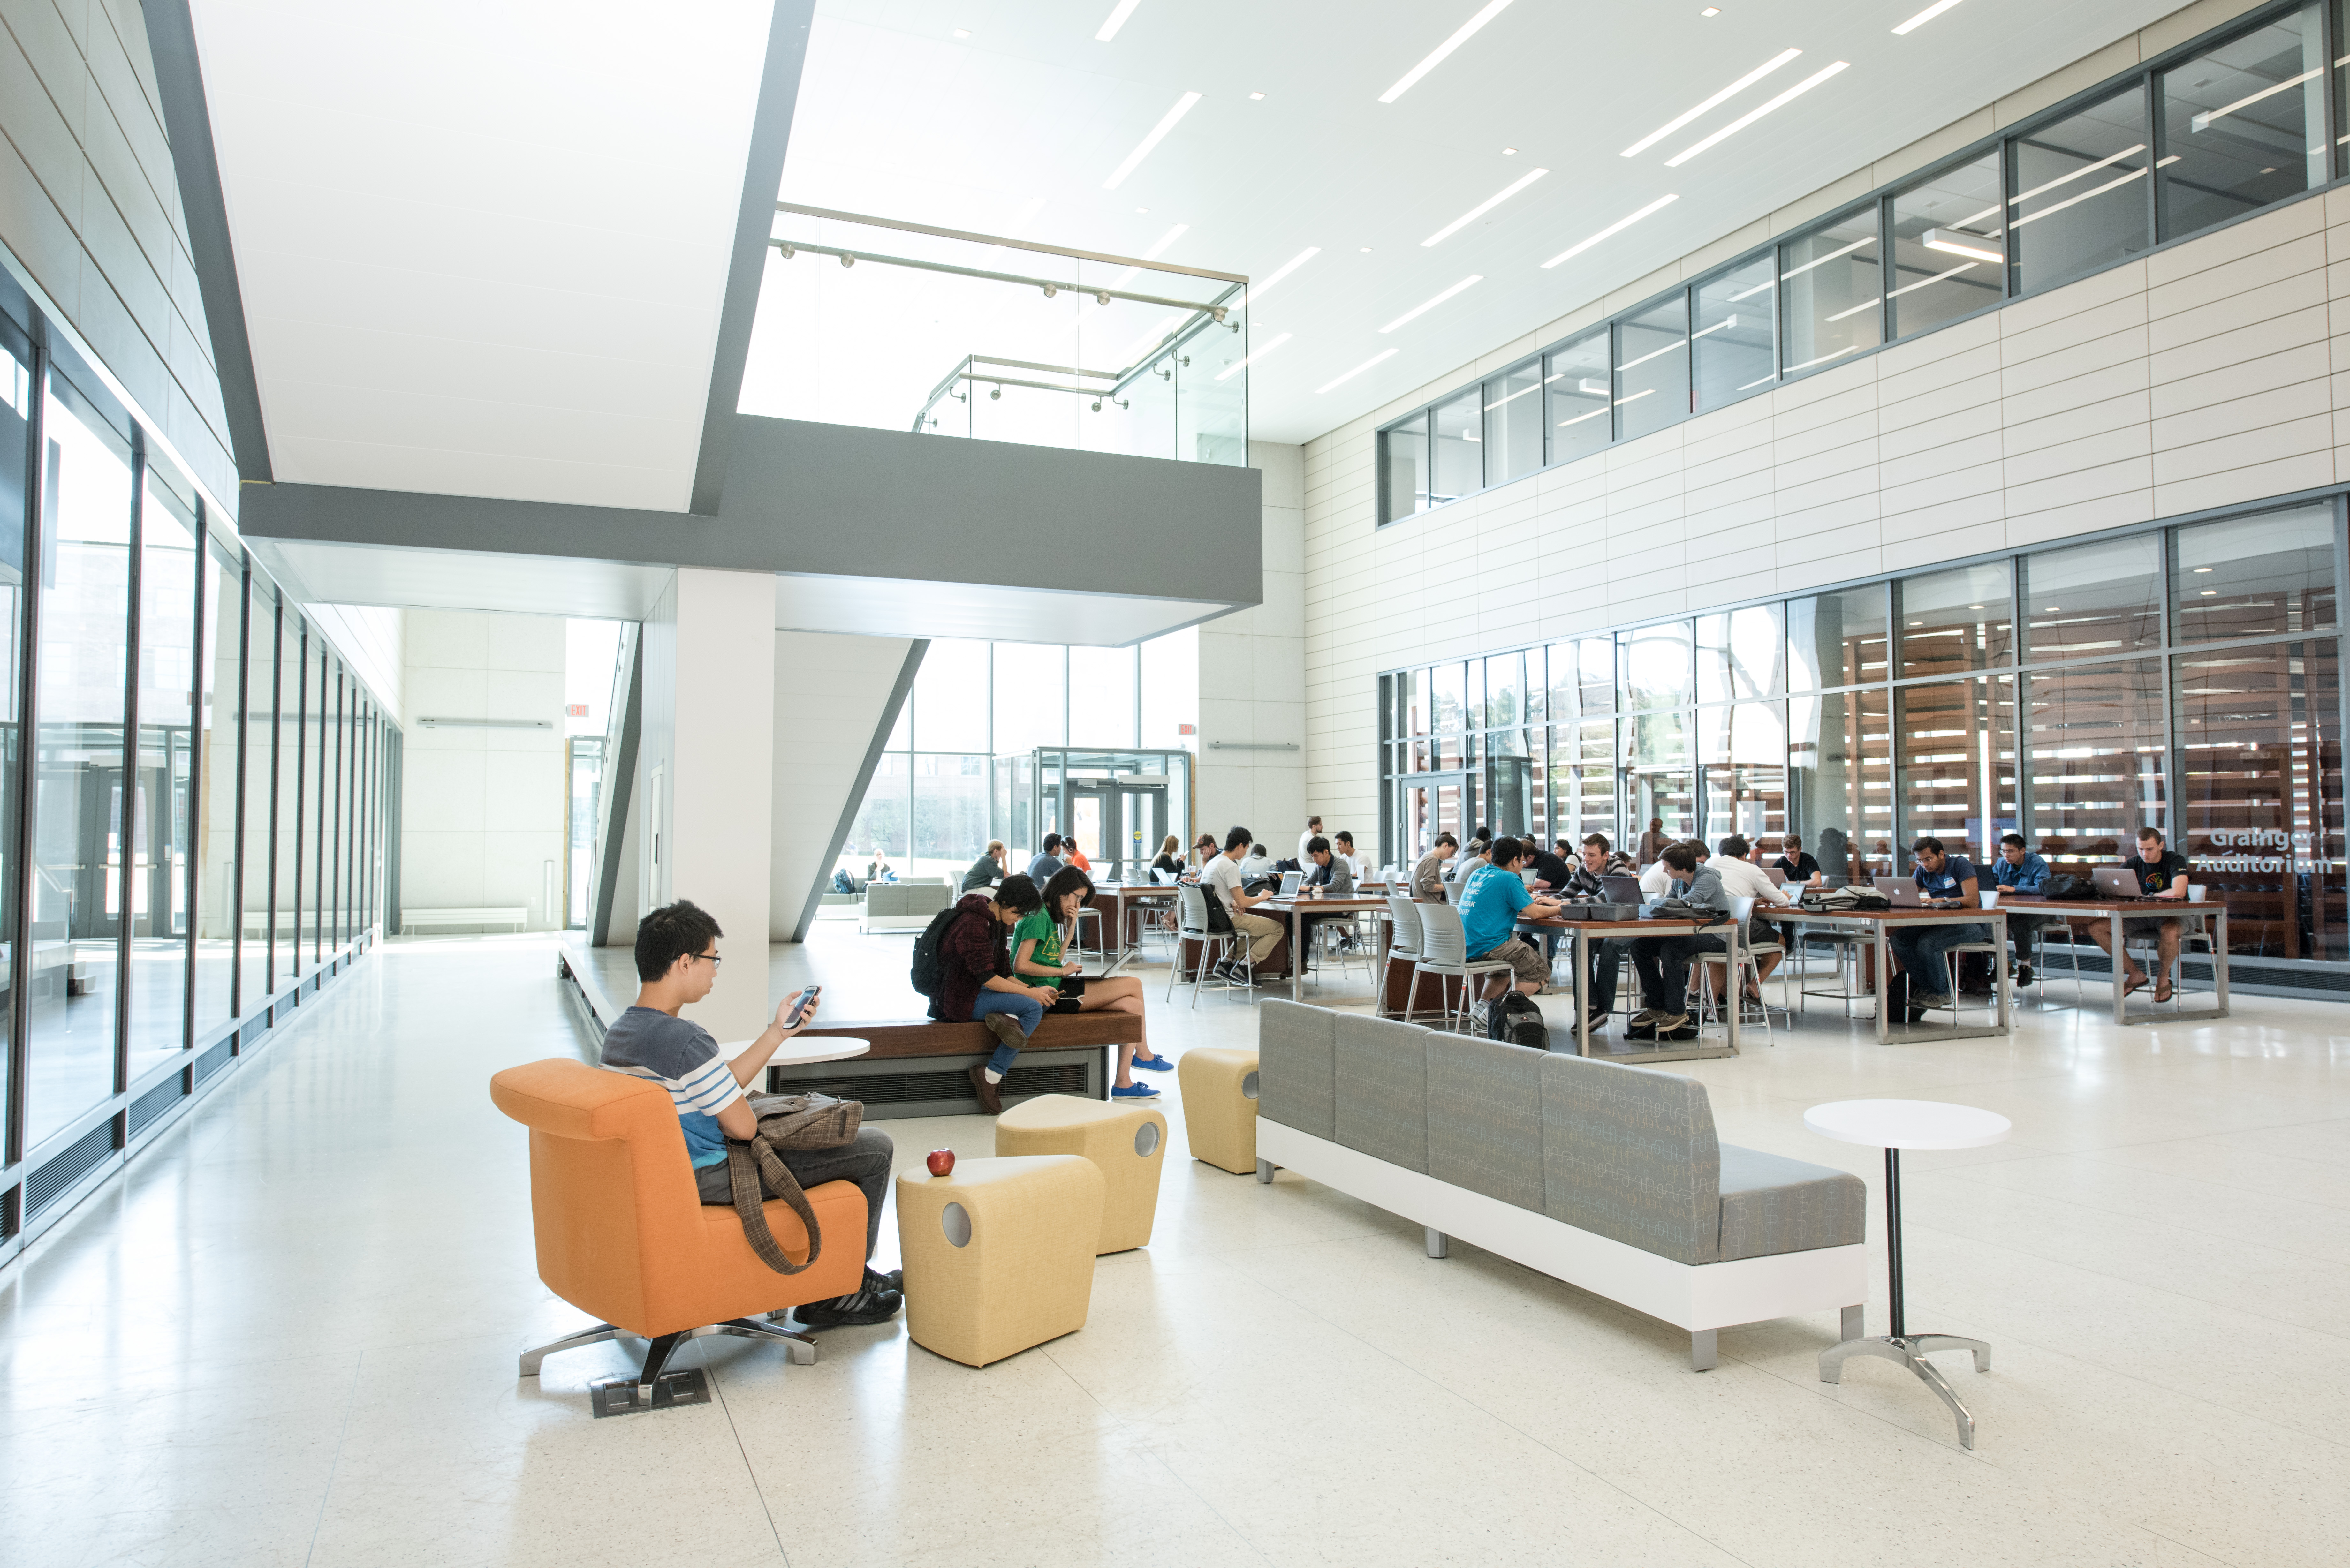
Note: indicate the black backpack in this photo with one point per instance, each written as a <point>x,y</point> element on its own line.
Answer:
<point>926,967</point>
<point>2068,887</point>
<point>1515,1020</point>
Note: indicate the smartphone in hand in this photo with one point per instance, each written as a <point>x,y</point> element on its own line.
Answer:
<point>800,1006</point>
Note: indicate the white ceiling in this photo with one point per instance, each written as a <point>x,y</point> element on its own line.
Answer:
<point>482,246</point>
<point>1020,123</point>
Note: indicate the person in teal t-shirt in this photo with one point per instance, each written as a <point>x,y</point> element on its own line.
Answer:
<point>1039,956</point>
<point>1491,906</point>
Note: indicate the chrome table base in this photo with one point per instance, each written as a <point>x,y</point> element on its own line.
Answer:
<point>1910,1351</point>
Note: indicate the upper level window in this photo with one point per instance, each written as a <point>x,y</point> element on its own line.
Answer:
<point>1574,388</point>
<point>1514,423</point>
<point>1737,352</point>
<point>1949,245</point>
<point>2247,576</point>
<point>1834,280</point>
<point>2243,125</point>
<point>1405,479</point>
<point>1652,367</point>
<point>2080,200</point>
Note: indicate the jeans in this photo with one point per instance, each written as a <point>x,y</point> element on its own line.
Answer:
<point>1606,959</point>
<point>2021,927</point>
<point>1920,951</point>
<point>864,1161</point>
<point>1026,1012</point>
<point>1662,963</point>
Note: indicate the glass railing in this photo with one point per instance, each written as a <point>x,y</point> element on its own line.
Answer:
<point>869,321</point>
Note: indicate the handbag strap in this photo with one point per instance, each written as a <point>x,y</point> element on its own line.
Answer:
<point>747,1163</point>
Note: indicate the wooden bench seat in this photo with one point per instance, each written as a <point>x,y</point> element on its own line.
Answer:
<point>919,1068</point>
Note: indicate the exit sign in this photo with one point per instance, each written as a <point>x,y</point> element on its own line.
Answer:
<point>576,710</point>
<point>1187,729</point>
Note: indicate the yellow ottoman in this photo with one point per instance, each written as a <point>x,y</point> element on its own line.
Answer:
<point>1220,1107</point>
<point>1126,1139</point>
<point>998,1254</point>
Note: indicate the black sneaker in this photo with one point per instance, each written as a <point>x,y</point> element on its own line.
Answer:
<point>858,1309</point>
<point>895,1280</point>
<point>2023,974</point>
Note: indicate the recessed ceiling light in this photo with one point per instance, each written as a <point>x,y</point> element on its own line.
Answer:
<point>2202,568</point>
<point>962,32</point>
<point>1256,290</point>
<point>1426,306</point>
<point>1118,13</point>
<point>2209,592</point>
<point>1711,11</point>
<point>1243,364</point>
<point>1974,606</point>
<point>1255,96</point>
<point>2052,609</point>
<point>1142,209</point>
<point>1917,623</point>
<point>1927,15</point>
<point>1142,149</point>
<point>1508,153</point>
<point>1616,227</point>
<point>1751,115</point>
<point>1724,95</point>
<point>1436,57</point>
<point>1485,206</point>
<point>1367,250</point>
<point>1382,354</point>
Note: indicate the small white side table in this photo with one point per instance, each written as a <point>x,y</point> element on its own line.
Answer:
<point>1894,1125</point>
<point>803,1049</point>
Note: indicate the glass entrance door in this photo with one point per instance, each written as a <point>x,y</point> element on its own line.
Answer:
<point>1434,804</point>
<point>1117,826</point>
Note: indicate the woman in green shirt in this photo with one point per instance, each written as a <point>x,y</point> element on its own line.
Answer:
<point>1040,957</point>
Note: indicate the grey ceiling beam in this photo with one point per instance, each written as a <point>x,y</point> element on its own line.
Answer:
<point>180,80</point>
<point>754,220</point>
<point>847,501</point>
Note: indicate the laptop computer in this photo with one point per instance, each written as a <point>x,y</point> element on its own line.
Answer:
<point>1289,882</point>
<point>1778,877</point>
<point>2116,882</point>
<point>1904,891</point>
<point>1621,889</point>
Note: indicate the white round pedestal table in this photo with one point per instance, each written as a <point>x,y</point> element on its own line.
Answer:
<point>1894,1125</point>
<point>802,1049</point>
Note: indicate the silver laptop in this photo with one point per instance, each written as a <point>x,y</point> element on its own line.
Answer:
<point>1529,879</point>
<point>1904,891</point>
<point>1778,877</point>
<point>2116,882</point>
<point>1622,889</point>
<point>1289,882</point>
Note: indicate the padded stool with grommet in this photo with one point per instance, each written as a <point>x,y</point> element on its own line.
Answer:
<point>1220,1107</point>
<point>1127,1140</point>
<point>998,1253</point>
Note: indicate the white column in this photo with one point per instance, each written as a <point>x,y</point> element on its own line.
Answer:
<point>708,770</point>
<point>1253,682</point>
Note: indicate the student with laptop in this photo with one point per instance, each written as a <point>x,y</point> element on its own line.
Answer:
<point>1490,907</point>
<point>2019,870</point>
<point>1662,962</point>
<point>1329,876</point>
<point>1741,878</point>
<point>1590,880</point>
<point>1428,876</point>
<point>2156,871</point>
<point>1942,881</point>
<point>1796,865</point>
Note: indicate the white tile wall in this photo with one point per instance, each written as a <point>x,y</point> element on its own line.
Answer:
<point>1253,676</point>
<point>482,810</point>
<point>2215,373</point>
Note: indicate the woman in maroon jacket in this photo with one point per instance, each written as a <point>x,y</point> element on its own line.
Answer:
<point>975,979</point>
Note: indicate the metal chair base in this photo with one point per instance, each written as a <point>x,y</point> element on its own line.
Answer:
<point>1910,1351</point>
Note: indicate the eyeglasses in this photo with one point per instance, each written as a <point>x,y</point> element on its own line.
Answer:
<point>713,958</point>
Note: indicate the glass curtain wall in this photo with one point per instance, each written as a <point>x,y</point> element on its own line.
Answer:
<point>2186,678</point>
<point>168,811</point>
<point>2224,129</point>
<point>958,768</point>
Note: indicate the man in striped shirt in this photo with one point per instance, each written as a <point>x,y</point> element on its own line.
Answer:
<point>676,963</point>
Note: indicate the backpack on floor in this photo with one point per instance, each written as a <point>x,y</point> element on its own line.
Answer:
<point>1515,1020</point>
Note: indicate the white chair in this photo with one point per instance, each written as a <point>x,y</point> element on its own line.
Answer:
<point>1750,954</point>
<point>1215,947</point>
<point>1444,952</point>
<point>1403,942</point>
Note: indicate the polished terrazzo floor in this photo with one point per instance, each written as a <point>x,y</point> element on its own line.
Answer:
<point>286,1334</point>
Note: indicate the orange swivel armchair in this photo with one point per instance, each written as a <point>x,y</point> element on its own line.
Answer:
<point>624,1237</point>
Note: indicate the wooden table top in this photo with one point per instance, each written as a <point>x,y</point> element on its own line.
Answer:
<point>1797,913</point>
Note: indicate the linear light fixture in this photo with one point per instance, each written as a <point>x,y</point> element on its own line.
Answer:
<point>1751,115</point>
<point>1436,57</point>
<point>1726,324</point>
<point>2017,201</point>
<point>1868,239</point>
<point>1166,123</point>
<point>1922,17</point>
<point>1513,397</point>
<point>1617,227</point>
<point>1257,291</point>
<point>1483,207</point>
<point>1957,243</point>
<point>2076,201</point>
<point>1252,359</point>
<point>1157,249</point>
<point>2202,122</point>
<point>1125,8</point>
<point>1717,101</point>
<point>1928,281</point>
<point>1855,310</point>
<point>1578,419</point>
<point>1376,358</point>
<point>1425,307</point>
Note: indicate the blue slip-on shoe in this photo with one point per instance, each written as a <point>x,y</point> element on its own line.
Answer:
<point>1133,1092</point>
<point>1154,1063</point>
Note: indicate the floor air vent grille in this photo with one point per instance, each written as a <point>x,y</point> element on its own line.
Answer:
<point>213,1060</point>
<point>154,1103</point>
<point>43,1186</point>
<point>944,1084</point>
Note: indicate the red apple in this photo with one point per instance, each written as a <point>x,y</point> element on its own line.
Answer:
<point>941,1161</point>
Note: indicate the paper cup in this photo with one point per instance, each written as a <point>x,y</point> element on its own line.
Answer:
<point>2195,892</point>
<point>1989,899</point>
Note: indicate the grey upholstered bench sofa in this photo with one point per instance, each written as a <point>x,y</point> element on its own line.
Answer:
<point>902,906</point>
<point>1606,1176</point>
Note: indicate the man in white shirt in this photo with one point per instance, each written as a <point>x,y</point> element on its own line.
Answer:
<point>1312,831</point>
<point>1343,846</point>
<point>1257,864</point>
<point>1741,878</point>
<point>1222,879</point>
